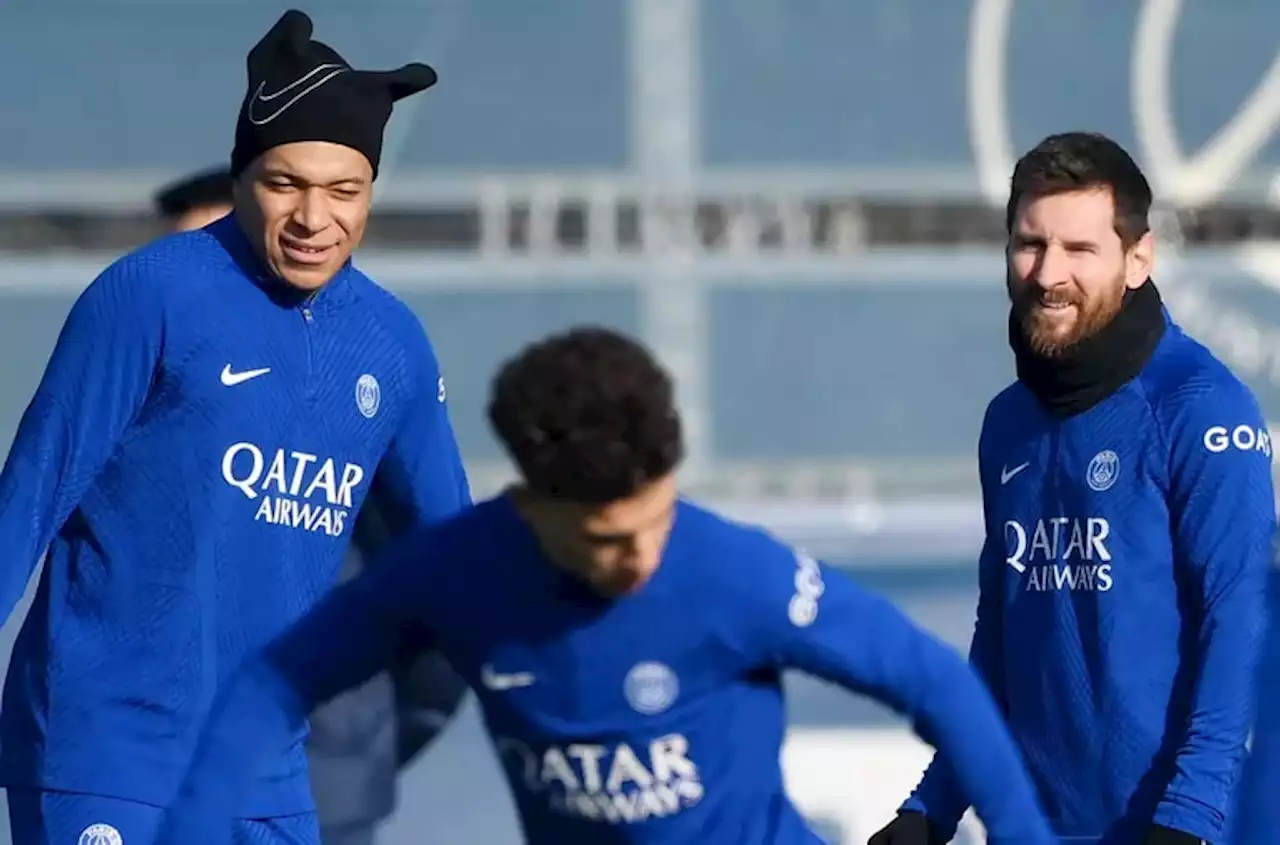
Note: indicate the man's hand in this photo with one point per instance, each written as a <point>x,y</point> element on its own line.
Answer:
<point>909,828</point>
<point>1161,835</point>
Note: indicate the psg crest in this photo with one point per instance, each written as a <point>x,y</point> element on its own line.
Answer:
<point>100,834</point>
<point>651,688</point>
<point>1103,470</point>
<point>368,395</point>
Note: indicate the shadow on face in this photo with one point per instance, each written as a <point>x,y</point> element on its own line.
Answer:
<point>616,547</point>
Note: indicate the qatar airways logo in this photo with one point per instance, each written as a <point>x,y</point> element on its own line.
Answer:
<point>1060,553</point>
<point>606,783</point>
<point>295,490</point>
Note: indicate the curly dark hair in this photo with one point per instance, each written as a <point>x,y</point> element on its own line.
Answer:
<point>1076,161</point>
<point>587,416</point>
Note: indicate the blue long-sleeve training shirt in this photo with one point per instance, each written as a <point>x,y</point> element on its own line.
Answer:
<point>1121,602</point>
<point>654,718</point>
<point>194,459</point>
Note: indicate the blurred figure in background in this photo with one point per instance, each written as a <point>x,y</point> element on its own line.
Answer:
<point>195,201</point>
<point>360,740</point>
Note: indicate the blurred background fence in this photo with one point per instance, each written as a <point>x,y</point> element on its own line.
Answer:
<point>798,203</point>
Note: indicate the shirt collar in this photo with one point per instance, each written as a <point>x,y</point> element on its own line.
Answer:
<point>337,292</point>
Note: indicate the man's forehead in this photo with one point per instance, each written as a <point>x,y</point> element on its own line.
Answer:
<point>1075,212</point>
<point>317,161</point>
<point>622,517</point>
<point>632,514</point>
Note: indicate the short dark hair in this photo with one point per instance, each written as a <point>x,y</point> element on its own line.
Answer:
<point>587,416</point>
<point>1077,161</point>
<point>208,187</point>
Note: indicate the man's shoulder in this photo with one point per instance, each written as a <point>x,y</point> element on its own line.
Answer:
<point>1185,382</point>
<point>491,520</point>
<point>458,549</point>
<point>711,529</point>
<point>404,327</point>
<point>1011,395</point>
<point>1013,402</point>
<point>735,554</point>
<point>385,302</point>
<point>166,266</point>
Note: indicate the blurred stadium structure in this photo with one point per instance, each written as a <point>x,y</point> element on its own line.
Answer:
<point>800,205</point>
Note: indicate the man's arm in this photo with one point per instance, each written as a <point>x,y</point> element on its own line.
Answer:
<point>939,796</point>
<point>428,694</point>
<point>350,636</point>
<point>818,620</point>
<point>1222,514</point>
<point>421,478</point>
<point>1259,822</point>
<point>93,387</point>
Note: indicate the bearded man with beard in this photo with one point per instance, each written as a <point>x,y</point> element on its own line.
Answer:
<point>1129,513</point>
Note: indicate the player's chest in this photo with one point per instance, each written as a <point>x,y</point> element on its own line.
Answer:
<point>1071,468</point>
<point>1076,505</point>
<point>589,676</point>
<point>272,365</point>
<point>282,402</point>
<point>607,730</point>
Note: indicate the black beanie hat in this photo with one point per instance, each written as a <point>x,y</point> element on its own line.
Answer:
<point>301,90</point>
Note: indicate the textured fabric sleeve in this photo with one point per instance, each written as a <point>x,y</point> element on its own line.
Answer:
<point>1259,822</point>
<point>938,795</point>
<point>426,691</point>
<point>421,479</point>
<point>819,621</point>
<point>1222,510</point>
<point>93,387</point>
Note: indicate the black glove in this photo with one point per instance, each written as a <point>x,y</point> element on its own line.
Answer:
<point>909,828</point>
<point>1161,835</point>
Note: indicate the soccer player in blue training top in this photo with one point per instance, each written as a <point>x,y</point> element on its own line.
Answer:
<point>626,646</point>
<point>359,740</point>
<point>1126,480</point>
<point>217,408</point>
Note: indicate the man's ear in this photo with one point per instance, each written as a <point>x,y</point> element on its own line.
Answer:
<point>1139,261</point>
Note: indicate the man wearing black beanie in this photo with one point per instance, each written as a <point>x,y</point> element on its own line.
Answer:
<point>220,406</point>
<point>361,739</point>
<point>307,148</point>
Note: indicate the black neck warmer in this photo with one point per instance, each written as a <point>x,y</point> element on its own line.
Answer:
<point>1099,365</point>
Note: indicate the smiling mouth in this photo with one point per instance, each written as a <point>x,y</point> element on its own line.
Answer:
<point>304,253</point>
